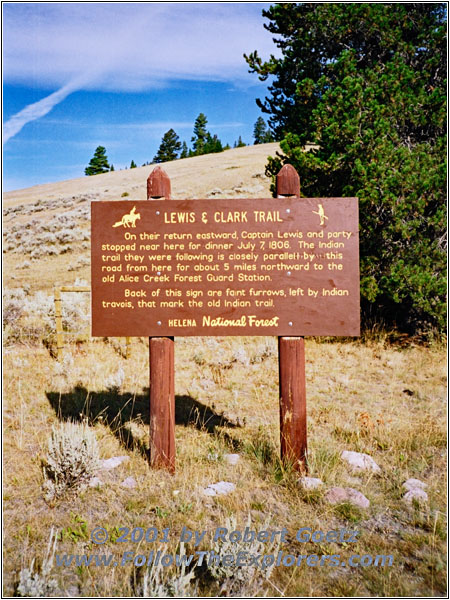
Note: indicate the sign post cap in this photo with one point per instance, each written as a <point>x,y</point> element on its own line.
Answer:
<point>288,182</point>
<point>158,184</point>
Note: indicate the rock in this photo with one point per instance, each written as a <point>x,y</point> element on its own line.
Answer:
<point>95,482</point>
<point>231,459</point>
<point>218,489</point>
<point>360,461</point>
<point>337,495</point>
<point>357,498</point>
<point>310,483</point>
<point>416,494</point>
<point>413,484</point>
<point>214,192</point>
<point>416,491</point>
<point>113,462</point>
<point>129,482</point>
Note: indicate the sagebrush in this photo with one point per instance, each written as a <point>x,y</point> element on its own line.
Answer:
<point>72,459</point>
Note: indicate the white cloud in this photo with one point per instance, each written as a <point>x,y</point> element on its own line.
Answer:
<point>134,46</point>
<point>124,47</point>
<point>38,109</point>
<point>165,125</point>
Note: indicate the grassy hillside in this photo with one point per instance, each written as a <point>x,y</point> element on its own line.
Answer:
<point>191,178</point>
<point>46,227</point>
<point>364,395</point>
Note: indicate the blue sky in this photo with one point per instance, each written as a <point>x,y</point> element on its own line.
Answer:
<point>79,75</point>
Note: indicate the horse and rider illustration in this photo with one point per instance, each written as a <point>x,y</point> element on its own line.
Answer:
<point>321,213</point>
<point>129,220</point>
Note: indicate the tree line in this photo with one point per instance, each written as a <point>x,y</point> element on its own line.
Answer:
<point>171,148</point>
<point>203,142</point>
<point>366,84</point>
<point>357,99</point>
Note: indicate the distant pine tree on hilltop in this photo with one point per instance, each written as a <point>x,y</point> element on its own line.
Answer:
<point>169,147</point>
<point>98,163</point>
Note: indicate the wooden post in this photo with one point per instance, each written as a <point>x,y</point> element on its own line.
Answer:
<point>288,182</point>
<point>58,323</point>
<point>162,367</point>
<point>158,185</point>
<point>162,403</point>
<point>291,357</point>
<point>291,360</point>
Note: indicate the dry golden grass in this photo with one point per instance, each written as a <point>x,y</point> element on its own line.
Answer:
<point>388,401</point>
<point>192,177</point>
<point>236,173</point>
<point>345,381</point>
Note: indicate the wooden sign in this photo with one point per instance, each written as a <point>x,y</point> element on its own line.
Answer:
<point>285,266</point>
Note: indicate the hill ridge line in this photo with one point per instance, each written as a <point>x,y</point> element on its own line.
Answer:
<point>192,177</point>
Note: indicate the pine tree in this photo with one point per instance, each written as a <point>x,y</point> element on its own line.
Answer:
<point>112,168</point>
<point>203,141</point>
<point>184,151</point>
<point>200,135</point>
<point>132,165</point>
<point>98,163</point>
<point>239,143</point>
<point>169,147</point>
<point>260,133</point>
<point>212,144</point>
<point>366,83</point>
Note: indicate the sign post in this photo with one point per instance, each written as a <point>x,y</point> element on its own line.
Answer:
<point>291,365</point>
<point>162,366</point>
<point>285,266</point>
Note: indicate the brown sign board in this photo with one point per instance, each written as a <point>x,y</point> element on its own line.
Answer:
<point>285,266</point>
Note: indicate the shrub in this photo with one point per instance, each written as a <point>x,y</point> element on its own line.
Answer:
<point>51,237</point>
<point>245,580</point>
<point>266,347</point>
<point>240,355</point>
<point>155,585</point>
<point>72,459</point>
<point>31,318</point>
<point>115,380</point>
<point>34,584</point>
<point>13,307</point>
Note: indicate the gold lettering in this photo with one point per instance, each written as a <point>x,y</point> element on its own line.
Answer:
<point>270,216</point>
<point>179,217</point>
<point>231,217</point>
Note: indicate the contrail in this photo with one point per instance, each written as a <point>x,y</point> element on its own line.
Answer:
<point>39,109</point>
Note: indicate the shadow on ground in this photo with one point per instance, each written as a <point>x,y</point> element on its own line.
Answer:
<point>123,413</point>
